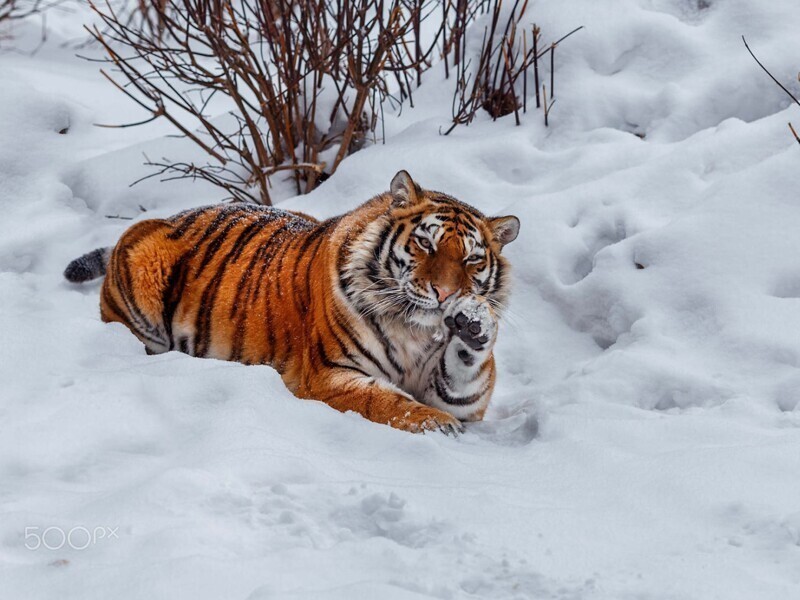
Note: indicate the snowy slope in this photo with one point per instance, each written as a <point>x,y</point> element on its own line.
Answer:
<point>644,439</point>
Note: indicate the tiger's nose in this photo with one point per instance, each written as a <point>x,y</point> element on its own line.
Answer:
<point>442,292</point>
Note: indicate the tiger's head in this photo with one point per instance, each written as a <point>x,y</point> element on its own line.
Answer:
<point>426,250</point>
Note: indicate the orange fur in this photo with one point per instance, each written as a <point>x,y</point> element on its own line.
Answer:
<point>264,286</point>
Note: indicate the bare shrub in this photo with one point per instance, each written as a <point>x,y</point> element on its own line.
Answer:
<point>507,53</point>
<point>305,80</point>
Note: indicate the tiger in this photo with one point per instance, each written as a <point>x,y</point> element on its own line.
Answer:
<point>390,310</point>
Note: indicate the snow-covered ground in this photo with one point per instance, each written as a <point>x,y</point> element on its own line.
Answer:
<point>644,439</point>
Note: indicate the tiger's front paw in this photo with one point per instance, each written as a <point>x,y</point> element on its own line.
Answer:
<point>419,418</point>
<point>472,319</point>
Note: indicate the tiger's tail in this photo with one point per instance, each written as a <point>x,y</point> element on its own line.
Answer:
<point>89,266</point>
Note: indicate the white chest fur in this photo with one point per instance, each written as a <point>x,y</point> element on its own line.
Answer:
<point>411,354</point>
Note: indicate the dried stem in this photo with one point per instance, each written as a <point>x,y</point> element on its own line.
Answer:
<point>771,76</point>
<point>493,83</point>
<point>794,133</point>
<point>779,84</point>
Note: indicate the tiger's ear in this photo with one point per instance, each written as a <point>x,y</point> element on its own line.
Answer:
<point>504,229</point>
<point>404,191</point>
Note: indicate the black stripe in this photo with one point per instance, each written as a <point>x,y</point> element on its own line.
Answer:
<point>287,332</point>
<point>254,229</point>
<point>391,256</point>
<point>244,286</point>
<point>331,364</point>
<point>246,236</point>
<point>112,304</point>
<point>342,322</point>
<point>203,320</point>
<point>123,279</point>
<point>189,217</point>
<point>266,258</point>
<point>497,276</point>
<point>443,368</point>
<point>457,205</point>
<point>492,270</point>
<point>215,245</point>
<point>332,322</point>
<point>344,250</point>
<point>315,239</point>
<point>388,347</point>
<point>464,222</point>
<point>445,396</point>
<point>284,251</point>
<point>222,215</point>
<point>311,260</point>
<point>172,295</point>
<point>374,262</point>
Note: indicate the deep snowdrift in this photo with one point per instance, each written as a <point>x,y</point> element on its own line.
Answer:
<point>644,439</point>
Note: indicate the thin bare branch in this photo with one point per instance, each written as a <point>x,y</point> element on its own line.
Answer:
<point>771,76</point>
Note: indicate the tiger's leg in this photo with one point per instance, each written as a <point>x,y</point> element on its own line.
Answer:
<point>138,275</point>
<point>463,381</point>
<point>379,401</point>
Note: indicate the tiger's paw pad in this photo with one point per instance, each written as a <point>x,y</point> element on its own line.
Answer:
<point>473,321</point>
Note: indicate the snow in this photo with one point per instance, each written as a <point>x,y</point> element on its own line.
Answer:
<point>644,438</point>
